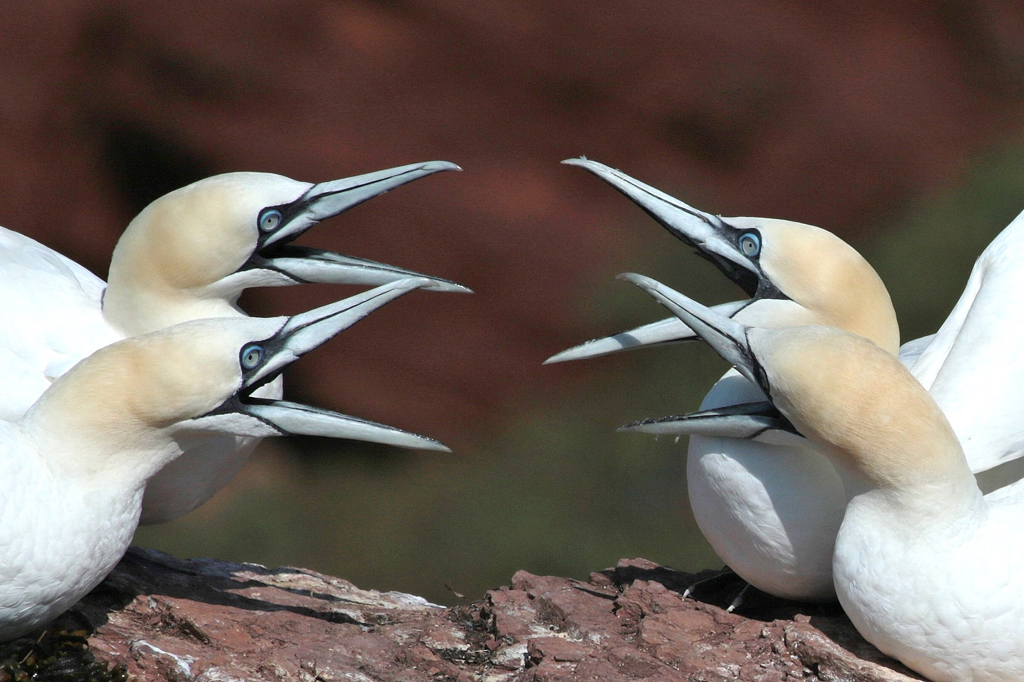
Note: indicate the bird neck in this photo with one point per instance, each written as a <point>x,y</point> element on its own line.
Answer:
<point>112,414</point>
<point>941,491</point>
<point>868,414</point>
<point>136,307</point>
<point>98,445</point>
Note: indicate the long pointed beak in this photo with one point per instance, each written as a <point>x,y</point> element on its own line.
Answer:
<point>691,225</point>
<point>662,332</point>
<point>246,414</point>
<point>301,265</point>
<point>726,336</point>
<point>703,231</point>
<point>328,199</point>
<point>305,265</point>
<point>289,419</point>
<point>746,420</point>
<point>306,331</point>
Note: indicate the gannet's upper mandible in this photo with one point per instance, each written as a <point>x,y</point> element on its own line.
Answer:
<point>73,468</point>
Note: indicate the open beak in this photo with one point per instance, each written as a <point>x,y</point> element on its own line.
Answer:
<point>301,334</point>
<point>328,199</point>
<point>708,234</point>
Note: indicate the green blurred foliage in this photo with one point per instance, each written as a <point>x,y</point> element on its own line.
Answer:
<point>558,491</point>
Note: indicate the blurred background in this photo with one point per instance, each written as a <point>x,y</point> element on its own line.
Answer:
<point>896,125</point>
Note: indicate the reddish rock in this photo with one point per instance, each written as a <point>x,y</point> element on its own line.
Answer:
<point>173,620</point>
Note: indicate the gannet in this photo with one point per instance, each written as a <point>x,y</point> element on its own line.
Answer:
<point>188,255</point>
<point>73,468</point>
<point>771,520</point>
<point>775,523</point>
<point>928,570</point>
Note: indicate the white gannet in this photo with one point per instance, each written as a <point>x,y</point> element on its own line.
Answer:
<point>775,524</point>
<point>771,520</point>
<point>188,255</point>
<point>929,570</point>
<point>74,467</point>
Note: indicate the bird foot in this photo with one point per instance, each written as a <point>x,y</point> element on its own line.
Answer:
<point>738,601</point>
<point>720,585</point>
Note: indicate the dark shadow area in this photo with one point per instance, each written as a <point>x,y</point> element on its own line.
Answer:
<point>148,572</point>
<point>144,164</point>
<point>720,588</point>
<point>59,654</point>
<point>1001,476</point>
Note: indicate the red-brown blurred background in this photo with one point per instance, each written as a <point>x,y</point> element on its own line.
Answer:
<point>862,117</point>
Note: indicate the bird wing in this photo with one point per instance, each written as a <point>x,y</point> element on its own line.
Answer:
<point>911,351</point>
<point>49,320</point>
<point>974,362</point>
<point>930,359</point>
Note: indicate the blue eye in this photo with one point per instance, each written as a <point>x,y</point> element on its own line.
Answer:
<point>270,221</point>
<point>251,356</point>
<point>750,244</point>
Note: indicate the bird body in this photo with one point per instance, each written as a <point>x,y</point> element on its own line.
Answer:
<point>771,511</point>
<point>59,537</point>
<point>938,588</point>
<point>46,295</point>
<point>187,256</point>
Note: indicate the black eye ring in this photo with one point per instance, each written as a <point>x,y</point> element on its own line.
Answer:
<point>252,355</point>
<point>270,220</point>
<point>750,244</point>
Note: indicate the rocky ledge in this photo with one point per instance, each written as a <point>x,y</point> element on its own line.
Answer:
<point>163,618</point>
